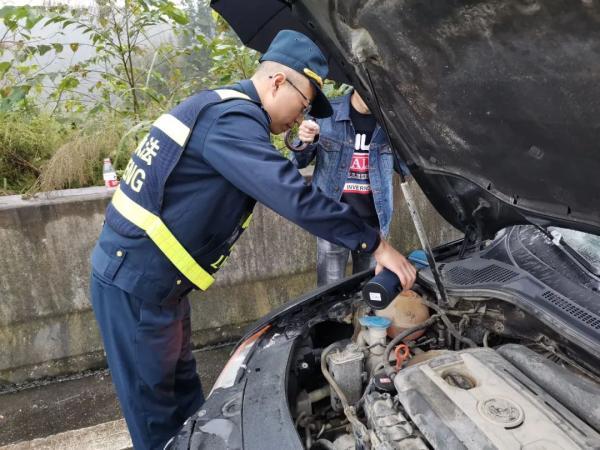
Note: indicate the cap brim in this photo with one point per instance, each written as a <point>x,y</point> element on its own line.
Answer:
<point>321,108</point>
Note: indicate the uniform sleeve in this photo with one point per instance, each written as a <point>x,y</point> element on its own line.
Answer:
<point>237,145</point>
<point>303,158</point>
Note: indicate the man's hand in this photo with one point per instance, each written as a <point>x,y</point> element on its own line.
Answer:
<point>388,257</point>
<point>308,130</point>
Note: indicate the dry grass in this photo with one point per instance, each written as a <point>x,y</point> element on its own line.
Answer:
<point>78,162</point>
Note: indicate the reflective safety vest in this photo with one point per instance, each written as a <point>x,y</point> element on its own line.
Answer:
<point>136,205</point>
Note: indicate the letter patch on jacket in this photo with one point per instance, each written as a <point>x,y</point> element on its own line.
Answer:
<point>148,149</point>
<point>135,175</point>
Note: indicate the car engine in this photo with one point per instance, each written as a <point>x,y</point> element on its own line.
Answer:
<point>480,374</point>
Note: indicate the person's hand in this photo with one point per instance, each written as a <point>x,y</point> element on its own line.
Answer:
<point>308,130</point>
<point>388,257</point>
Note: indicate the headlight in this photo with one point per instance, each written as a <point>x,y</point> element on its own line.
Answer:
<point>229,373</point>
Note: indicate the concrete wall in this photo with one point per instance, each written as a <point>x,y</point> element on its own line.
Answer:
<point>47,326</point>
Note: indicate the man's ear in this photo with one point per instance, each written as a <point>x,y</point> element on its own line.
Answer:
<point>278,79</point>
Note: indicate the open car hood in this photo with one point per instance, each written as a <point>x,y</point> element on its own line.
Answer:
<point>494,105</point>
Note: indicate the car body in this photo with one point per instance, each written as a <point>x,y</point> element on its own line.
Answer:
<point>494,106</point>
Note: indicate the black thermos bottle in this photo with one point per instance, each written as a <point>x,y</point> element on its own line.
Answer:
<point>380,290</point>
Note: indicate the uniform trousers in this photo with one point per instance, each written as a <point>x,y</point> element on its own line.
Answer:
<point>149,354</point>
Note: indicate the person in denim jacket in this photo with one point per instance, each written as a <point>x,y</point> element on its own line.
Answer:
<point>354,164</point>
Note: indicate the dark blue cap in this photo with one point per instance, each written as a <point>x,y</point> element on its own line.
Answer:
<point>298,52</point>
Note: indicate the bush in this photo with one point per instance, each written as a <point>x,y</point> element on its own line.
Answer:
<point>27,141</point>
<point>78,162</point>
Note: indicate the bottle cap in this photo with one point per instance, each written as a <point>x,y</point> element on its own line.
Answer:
<point>375,321</point>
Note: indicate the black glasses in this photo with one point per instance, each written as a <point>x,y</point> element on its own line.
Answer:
<point>308,107</point>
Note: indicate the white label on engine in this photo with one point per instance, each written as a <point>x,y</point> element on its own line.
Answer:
<point>375,296</point>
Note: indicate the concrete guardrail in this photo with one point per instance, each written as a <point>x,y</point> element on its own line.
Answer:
<point>47,327</point>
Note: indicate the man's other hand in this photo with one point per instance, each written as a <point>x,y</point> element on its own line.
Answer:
<point>308,130</point>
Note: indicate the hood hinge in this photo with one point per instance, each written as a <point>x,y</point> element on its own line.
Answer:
<point>474,230</point>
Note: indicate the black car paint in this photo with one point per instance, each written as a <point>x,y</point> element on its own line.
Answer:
<point>492,104</point>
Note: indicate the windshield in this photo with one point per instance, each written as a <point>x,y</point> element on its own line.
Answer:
<point>587,245</point>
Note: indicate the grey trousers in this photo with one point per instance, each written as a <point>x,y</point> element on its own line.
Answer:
<point>332,260</point>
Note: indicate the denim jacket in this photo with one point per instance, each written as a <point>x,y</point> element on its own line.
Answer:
<point>334,150</point>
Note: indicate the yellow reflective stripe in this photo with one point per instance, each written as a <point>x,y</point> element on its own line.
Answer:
<point>246,223</point>
<point>231,93</point>
<point>177,130</point>
<point>163,238</point>
<point>219,262</point>
<point>173,127</point>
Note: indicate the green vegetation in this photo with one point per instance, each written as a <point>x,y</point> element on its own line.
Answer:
<point>78,85</point>
<point>27,142</point>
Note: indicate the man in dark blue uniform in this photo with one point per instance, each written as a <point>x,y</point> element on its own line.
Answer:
<point>185,197</point>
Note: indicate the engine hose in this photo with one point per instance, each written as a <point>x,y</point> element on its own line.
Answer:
<point>389,370</point>
<point>308,436</point>
<point>366,392</point>
<point>324,443</point>
<point>461,329</point>
<point>486,336</point>
<point>449,325</point>
<point>360,431</point>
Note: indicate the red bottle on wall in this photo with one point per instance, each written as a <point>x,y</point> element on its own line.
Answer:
<point>109,174</point>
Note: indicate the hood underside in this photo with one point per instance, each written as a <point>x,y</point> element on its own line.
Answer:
<point>494,105</point>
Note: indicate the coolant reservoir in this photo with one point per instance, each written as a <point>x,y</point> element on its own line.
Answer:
<point>405,311</point>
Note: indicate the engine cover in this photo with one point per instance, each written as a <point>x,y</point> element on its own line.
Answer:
<point>476,399</point>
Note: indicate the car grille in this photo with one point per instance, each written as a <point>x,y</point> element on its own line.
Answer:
<point>573,310</point>
<point>492,273</point>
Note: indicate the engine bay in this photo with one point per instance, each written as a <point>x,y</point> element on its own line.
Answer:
<point>508,357</point>
<point>480,373</point>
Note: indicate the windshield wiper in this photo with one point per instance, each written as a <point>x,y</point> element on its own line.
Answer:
<point>559,241</point>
